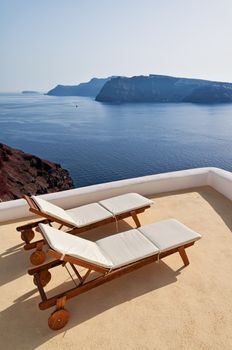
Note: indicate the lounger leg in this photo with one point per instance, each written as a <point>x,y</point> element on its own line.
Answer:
<point>38,283</point>
<point>59,318</point>
<point>135,218</point>
<point>183,255</point>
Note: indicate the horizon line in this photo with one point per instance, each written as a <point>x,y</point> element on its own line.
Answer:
<point>117,76</point>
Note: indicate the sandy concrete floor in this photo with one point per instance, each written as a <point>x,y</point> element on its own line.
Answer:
<point>161,306</point>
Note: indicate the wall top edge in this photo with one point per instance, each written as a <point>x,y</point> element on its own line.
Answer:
<point>123,183</point>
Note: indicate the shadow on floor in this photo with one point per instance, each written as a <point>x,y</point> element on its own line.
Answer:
<point>29,325</point>
<point>220,204</point>
<point>33,331</point>
<point>13,264</point>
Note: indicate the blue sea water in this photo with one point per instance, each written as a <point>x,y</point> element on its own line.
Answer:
<point>102,142</point>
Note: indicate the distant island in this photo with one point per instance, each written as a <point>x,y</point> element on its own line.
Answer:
<point>152,88</point>
<point>89,89</point>
<point>160,88</point>
<point>30,92</point>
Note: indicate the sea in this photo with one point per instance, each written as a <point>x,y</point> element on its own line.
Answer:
<point>98,142</point>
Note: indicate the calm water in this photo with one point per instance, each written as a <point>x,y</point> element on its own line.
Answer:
<point>99,142</point>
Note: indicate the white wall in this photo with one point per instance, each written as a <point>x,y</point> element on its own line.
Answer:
<point>219,179</point>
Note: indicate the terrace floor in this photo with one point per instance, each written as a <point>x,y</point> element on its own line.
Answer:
<point>160,306</point>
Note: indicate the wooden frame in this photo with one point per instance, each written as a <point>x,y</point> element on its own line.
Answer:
<point>60,316</point>
<point>27,233</point>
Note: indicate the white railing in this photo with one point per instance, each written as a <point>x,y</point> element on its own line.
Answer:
<point>219,179</point>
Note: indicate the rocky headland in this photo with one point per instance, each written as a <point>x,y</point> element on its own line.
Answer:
<point>89,89</point>
<point>23,173</point>
<point>160,88</point>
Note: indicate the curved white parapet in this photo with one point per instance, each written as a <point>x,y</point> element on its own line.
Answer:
<point>219,179</point>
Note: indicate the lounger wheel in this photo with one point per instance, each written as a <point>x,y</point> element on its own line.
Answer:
<point>38,257</point>
<point>58,319</point>
<point>27,235</point>
<point>45,277</point>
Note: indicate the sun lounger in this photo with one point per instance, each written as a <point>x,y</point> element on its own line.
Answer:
<point>80,219</point>
<point>111,257</point>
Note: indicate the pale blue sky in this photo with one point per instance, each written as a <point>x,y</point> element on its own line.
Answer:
<point>49,42</point>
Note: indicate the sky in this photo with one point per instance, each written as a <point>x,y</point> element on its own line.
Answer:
<point>49,42</point>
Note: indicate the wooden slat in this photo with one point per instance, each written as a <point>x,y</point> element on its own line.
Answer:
<point>31,225</point>
<point>46,266</point>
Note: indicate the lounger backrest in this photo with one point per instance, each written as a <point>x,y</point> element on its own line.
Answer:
<point>78,247</point>
<point>53,210</point>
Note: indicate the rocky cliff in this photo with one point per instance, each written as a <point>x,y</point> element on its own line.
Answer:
<point>159,88</point>
<point>90,88</point>
<point>22,173</point>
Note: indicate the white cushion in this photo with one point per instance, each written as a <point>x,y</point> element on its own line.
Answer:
<point>53,210</point>
<point>88,214</point>
<point>95,212</point>
<point>168,234</point>
<point>111,252</point>
<point>122,248</point>
<point>126,247</point>
<point>125,203</point>
<point>81,248</point>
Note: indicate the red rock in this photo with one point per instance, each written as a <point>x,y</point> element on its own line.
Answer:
<point>22,173</point>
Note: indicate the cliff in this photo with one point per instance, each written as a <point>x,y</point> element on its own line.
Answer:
<point>22,173</point>
<point>159,88</point>
<point>89,89</point>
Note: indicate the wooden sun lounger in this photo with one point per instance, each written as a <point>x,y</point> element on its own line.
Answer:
<point>112,206</point>
<point>109,257</point>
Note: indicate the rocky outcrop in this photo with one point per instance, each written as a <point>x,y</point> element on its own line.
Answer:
<point>22,173</point>
<point>159,88</point>
<point>89,89</point>
<point>210,94</point>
